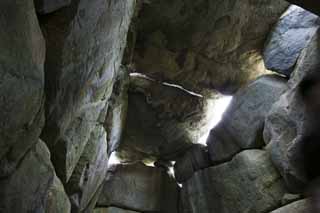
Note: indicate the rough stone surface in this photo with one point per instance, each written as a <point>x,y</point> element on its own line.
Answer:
<point>34,187</point>
<point>242,123</point>
<point>112,210</point>
<point>48,6</point>
<point>85,44</point>
<point>292,33</point>
<point>162,120</point>
<point>311,5</point>
<point>90,172</point>
<point>249,183</point>
<point>117,110</point>
<point>188,42</point>
<point>194,159</point>
<point>21,81</point>
<point>140,188</point>
<point>284,126</point>
<point>301,206</point>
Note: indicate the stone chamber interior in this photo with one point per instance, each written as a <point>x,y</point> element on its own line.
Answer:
<point>159,106</point>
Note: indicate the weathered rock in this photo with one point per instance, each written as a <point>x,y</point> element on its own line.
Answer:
<point>242,123</point>
<point>140,188</point>
<point>34,187</point>
<point>85,44</point>
<point>249,183</point>
<point>311,5</point>
<point>292,33</point>
<point>21,81</point>
<point>90,172</point>
<point>196,158</point>
<point>48,6</point>
<point>162,120</point>
<point>284,126</point>
<point>188,42</point>
<point>112,210</point>
<point>302,206</point>
<point>117,110</point>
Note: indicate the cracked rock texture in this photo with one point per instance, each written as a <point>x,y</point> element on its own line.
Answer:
<point>21,82</point>
<point>188,42</point>
<point>105,106</point>
<point>285,124</point>
<point>85,42</point>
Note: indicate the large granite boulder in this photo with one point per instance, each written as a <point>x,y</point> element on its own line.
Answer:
<point>189,42</point>
<point>90,171</point>
<point>162,121</point>
<point>242,123</point>
<point>301,206</point>
<point>21,82</point>
<point>285,124</point>
<point>249,183</point>
<point>48,6</point>
<point>34,186</point>
<point>194,159</point>
<point>292,33</point>
<point>85,43</point>
<point>140,188</point>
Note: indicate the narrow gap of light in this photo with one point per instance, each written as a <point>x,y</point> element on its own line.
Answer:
<point>182,88</point>
<point>215,112</point>
<point>171,169</point>
<point>113,159</point>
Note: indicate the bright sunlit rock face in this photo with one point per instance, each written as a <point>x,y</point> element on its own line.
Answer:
<point>216,108</point>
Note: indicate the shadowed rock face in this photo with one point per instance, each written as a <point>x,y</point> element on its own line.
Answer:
<point>301,206</point>
<point>85,44</point>
<point>248,183</point>
<point>162,121</point>
<point>48,6</point>
<point>204,44</point>
<point>21,81</point>
<point>34,186</point>
<point>140,188</point>
<point>286,124</point>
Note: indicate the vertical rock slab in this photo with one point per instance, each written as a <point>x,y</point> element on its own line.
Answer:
<point>85,45</point>
<point>188,42</point>
<point>34,186</point>
<point>249,183</point>
<point>48,6</point>
<point>242,124</point>
<point>285,123</point>
<point>21,81</point>
<point>117,110</point>
<point>140,188</point>
<point>90,171</point>
<point>290,36</point>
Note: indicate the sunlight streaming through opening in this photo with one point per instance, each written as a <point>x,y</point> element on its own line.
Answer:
<point>113,159</point>
<point>215,112</point>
